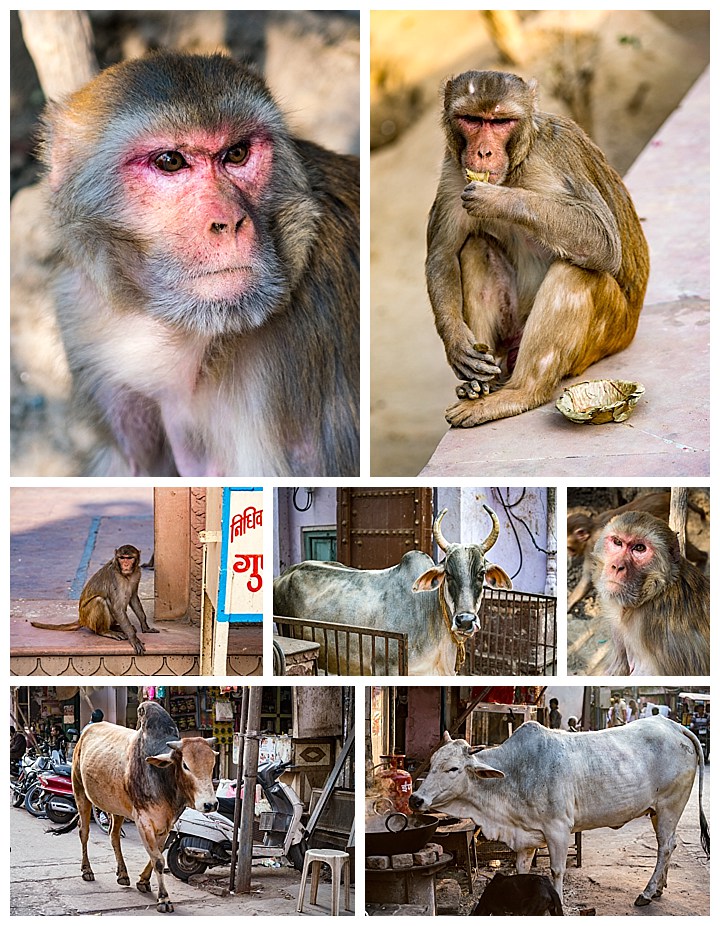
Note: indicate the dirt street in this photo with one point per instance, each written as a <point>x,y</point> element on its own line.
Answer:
<point>45,880</point>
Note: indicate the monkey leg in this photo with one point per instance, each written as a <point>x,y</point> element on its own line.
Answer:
<point>470,340</point>
<point>578,317</point>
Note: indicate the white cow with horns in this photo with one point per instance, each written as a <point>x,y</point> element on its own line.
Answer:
<point>541,785</point>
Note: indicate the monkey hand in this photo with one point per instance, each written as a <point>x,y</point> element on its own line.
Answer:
<point>483,200</point>
<point>470,361</point>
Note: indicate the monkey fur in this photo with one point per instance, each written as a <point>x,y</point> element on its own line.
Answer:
<point>208,279</point>
<point>538,272</point>
<point>583,532</point>
<point>105,598</point>
<point>656,602</point>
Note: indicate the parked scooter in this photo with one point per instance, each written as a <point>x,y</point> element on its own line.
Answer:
<point>200,841</point>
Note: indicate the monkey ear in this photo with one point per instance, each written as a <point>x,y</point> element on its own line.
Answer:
<point>532,87</point>
<point>582,534</point>
<point>674,549</point>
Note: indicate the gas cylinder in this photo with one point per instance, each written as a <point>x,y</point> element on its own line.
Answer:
<point>395,782</point>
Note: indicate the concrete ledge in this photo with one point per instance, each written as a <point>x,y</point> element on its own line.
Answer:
<point>669,432</point>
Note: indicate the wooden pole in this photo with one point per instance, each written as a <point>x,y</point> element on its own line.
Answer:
<point>678,514</point>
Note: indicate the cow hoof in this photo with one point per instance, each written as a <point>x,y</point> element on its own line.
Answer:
<point>88,876</point>
<point>165,906</point>
<point>143,887</point>
<point>124,880</point>
<point>642,901</point>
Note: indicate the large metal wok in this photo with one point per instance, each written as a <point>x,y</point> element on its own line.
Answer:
<point>395,833</point>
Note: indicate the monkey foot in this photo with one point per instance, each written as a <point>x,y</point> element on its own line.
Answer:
<point>472,389</point>
<point>124,880</point>
<point>642,901</point>
<point>151,630</point>
<point>139,648</point>
<point>143,887</point>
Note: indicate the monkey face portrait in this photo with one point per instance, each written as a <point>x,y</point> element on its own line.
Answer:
<point>205,265</point>
<point>641,605</point>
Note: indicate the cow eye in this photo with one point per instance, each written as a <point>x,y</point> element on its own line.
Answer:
<point>454,769</point>
<point>185,768</point>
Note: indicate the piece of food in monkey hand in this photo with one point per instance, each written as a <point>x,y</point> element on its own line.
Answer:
<point>474,176</point>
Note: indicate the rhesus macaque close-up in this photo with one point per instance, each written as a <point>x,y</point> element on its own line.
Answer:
<point>208,290</point>
<point>105,599</point>
<point>657,603</point>
<point>584,530</point>
<point>536,264</point>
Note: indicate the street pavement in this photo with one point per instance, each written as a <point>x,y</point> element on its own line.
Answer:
<point>45,880</point>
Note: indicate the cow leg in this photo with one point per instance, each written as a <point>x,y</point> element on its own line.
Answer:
<point>154,841</point>
<point>558,840</point>
<point>523,860</point>
<point>664,825</point>
<point>115,834</point>
<point>84,807</point>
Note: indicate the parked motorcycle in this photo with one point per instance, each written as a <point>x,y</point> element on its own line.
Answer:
<point>200,841</point>
<point>52,779</point>
<point>56,794</point>
<point>29,766</point>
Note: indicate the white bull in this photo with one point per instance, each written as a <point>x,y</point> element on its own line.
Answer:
<point>541,785</point>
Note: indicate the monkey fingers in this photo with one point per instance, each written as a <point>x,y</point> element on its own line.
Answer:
<point>138,646</point>
<point>472,362</point>
<point>472,389</point>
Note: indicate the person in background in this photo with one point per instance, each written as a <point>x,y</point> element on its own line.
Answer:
<point>555,718</point>
<point>573,725</point>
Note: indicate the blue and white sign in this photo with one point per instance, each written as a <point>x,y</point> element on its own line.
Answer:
<point>240,598</point>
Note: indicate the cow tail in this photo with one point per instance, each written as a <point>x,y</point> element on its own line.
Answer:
<point>68,828</point>
<point>704,828</point>
<point>556,906</point>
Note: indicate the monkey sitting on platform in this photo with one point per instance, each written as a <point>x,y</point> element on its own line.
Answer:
<point>536,261</point>
<point>105,598</point>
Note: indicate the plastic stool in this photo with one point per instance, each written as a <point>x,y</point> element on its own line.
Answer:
<point>337,862</point>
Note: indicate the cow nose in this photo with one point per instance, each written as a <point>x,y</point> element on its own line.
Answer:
<point>415,802</point>
<point>209,806</point>
<point>464,621</point>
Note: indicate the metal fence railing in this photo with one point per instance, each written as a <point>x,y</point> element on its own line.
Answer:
<point>517,636</point>
<point>346,649</point>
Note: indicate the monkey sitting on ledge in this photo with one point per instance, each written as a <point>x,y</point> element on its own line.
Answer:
<point>536,261</point>
<point>105,598</point>
<point>657,603</point>
<point>208,280</point>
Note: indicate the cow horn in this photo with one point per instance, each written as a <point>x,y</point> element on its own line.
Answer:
<point>494,533</point>
<point>211,740</point>
<point>437,533</point>
<point>174,744</point>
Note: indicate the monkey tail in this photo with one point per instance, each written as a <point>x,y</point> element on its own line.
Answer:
<point>75,625</point>
<point>68,828</point>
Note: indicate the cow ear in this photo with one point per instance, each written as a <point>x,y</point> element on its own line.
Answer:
<point>480,770</point>
<point>429,580</point>
<point>446,737</point>
<point>497,577</point>
<point>161,761</point>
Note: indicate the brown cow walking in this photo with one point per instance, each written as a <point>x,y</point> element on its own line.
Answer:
<point>148,775</point>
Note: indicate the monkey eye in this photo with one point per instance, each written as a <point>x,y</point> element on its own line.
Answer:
<point>238,154</point>
<point>617,541</point>
<point>639,548</point>
<point>170,162</point>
